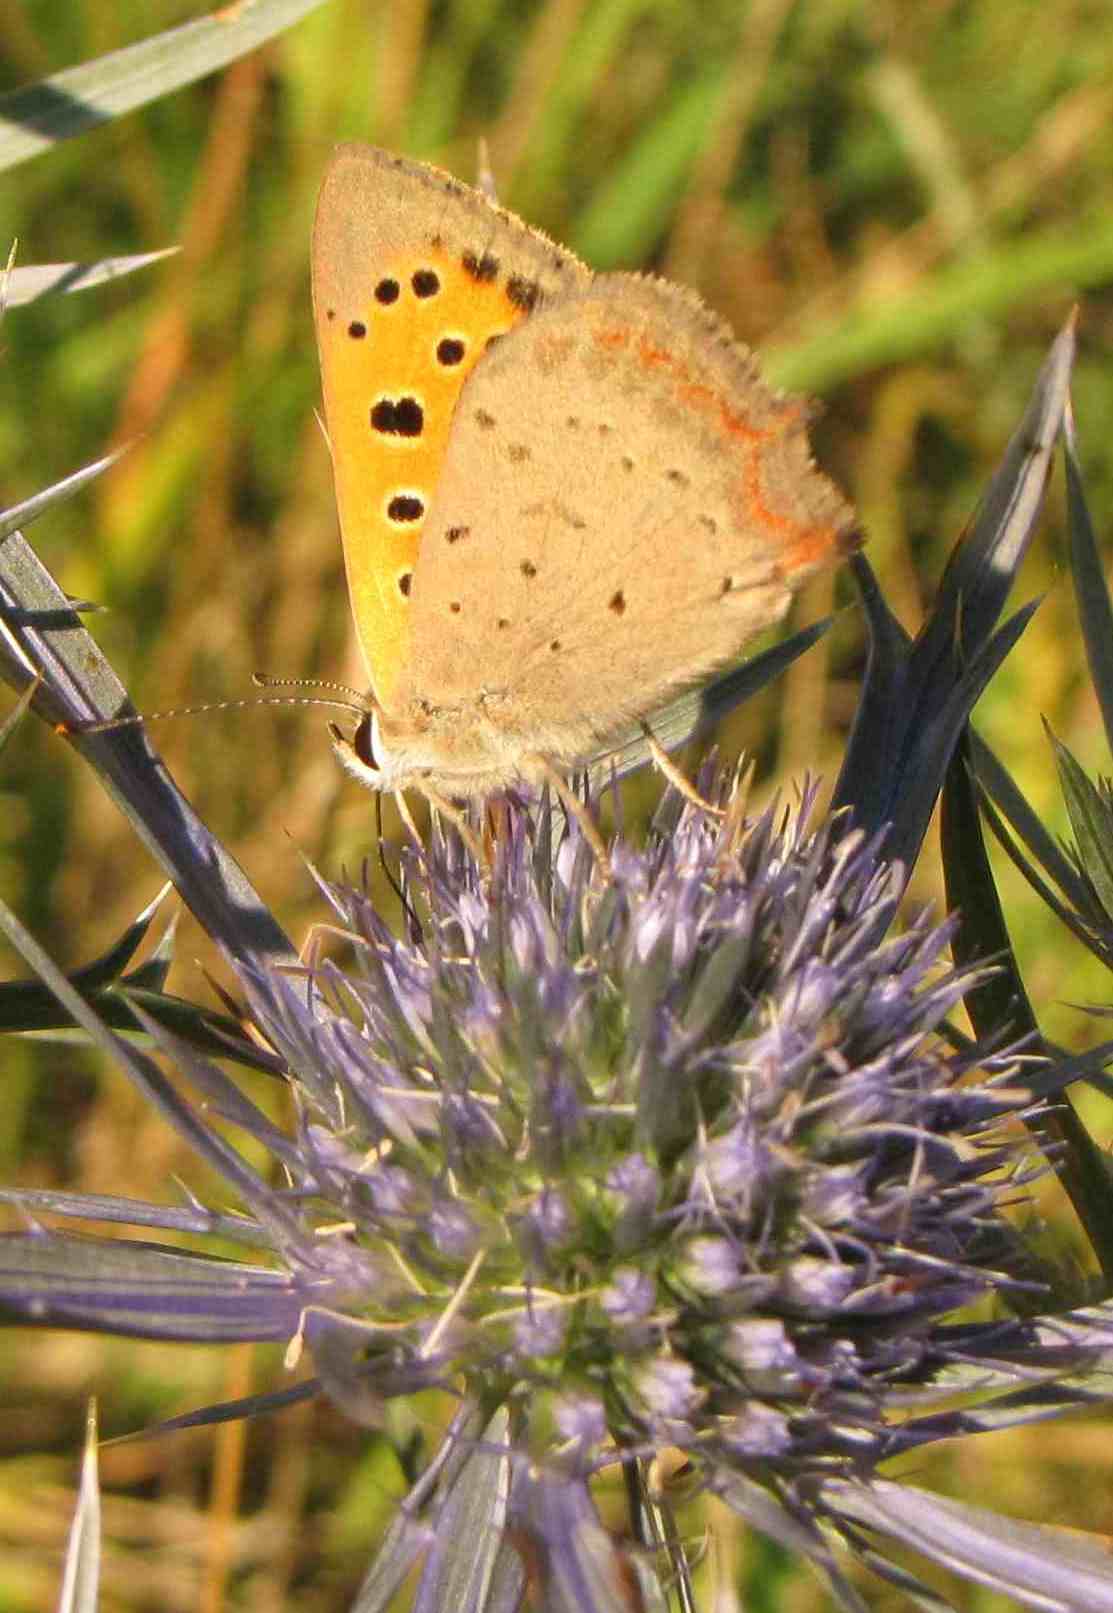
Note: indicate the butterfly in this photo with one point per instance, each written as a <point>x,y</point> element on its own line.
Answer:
<point>563,496</point>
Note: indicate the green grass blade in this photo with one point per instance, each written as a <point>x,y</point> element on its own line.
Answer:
<point>82,1567</point>
<point>927,317</point>
<point>596,50</point>
<point>629,211</point>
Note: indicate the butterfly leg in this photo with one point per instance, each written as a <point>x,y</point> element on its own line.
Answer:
<point>312,950</point>
<point>407,818</point>
<point>679,780</point>
<point>496,824</point>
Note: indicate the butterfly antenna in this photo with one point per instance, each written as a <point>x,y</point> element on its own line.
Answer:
<point>359,701</point>
<point>134,720</point>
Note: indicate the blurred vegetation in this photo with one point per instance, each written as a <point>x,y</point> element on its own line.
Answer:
<point>896,204</point>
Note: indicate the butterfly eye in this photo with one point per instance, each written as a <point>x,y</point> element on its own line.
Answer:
<point>363,742</point>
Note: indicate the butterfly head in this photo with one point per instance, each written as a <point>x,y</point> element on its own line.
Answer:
<point>386,753</point>
<point>364,755</point>
<point>449,751</point>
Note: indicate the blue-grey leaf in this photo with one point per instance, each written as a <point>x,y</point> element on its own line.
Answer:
<point>111,1207</point>
<point>34,280</point>
<point>1091,818</point>
<point>36,117</point>
<point>143,1290</point>
<point>40,635</point>
<point>694,714</point>
<point>153,1084</point>
<point>409,1535</point>
<point>1051,1570</point>
<point>469,1531</point>
<point>1094,610</point>
<point>917,695</point>
<point>995,779</point>
<point>29,509</point>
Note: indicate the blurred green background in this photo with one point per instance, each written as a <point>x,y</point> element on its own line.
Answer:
<point>896,204</point>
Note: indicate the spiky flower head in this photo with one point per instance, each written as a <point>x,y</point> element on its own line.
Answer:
<point>667,1156</point>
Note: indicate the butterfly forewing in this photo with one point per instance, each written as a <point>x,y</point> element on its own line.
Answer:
<point>414,275</point>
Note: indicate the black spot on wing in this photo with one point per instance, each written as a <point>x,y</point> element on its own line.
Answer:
<point>450,351</point>
<point>523,293</point>
<point>483,268</point>
<point>405,508</point>
<point>397,417</point>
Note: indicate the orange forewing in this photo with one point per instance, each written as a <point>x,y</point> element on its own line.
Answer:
<point>409,347</point>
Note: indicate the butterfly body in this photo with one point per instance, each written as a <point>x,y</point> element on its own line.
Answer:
<point>594,503</point>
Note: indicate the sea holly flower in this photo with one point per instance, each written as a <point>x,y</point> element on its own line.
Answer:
<point>670,1159</point>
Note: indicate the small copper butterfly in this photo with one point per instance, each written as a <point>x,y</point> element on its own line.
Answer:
<point>563,496</point>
